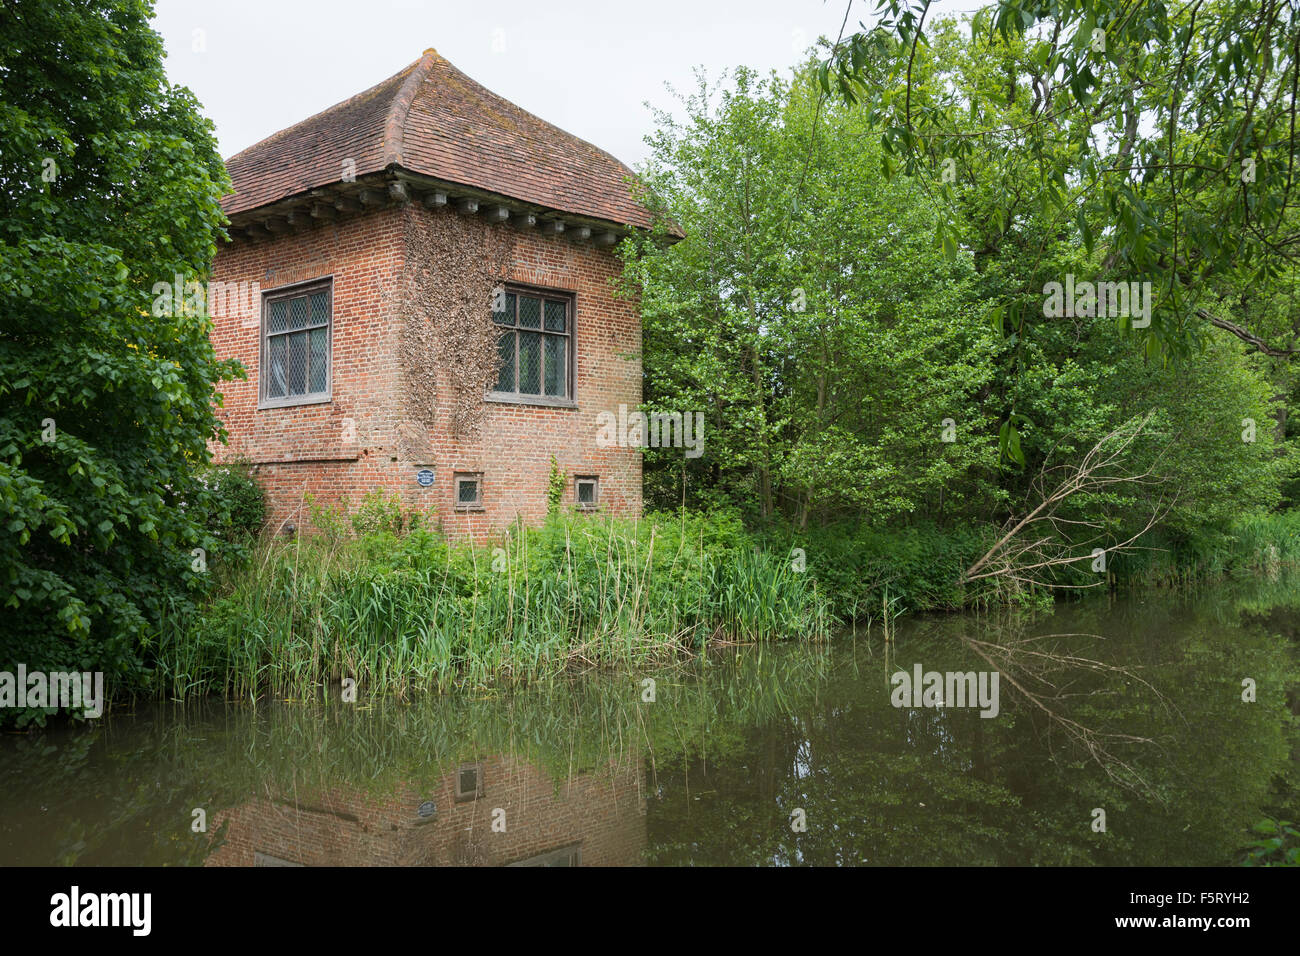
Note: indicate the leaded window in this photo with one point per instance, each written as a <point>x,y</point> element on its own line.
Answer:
<point>535,345</point>
<point>296,345</point>
<point>468,488</point>
<point>586,490</point>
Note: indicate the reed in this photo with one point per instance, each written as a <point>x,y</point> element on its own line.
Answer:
<point>1264,543</point>
<point>408,613</point>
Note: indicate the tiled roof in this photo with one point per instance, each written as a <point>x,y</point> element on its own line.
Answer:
<point>432,119</point>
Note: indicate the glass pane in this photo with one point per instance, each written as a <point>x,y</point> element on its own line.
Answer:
<point>320,308</point>
<point>530,312</point>
<point>298,312</point>
<point>555,318</point>
<point>275,376</point>
<point>319,365</point>
<point>530,363</point>
<point>586,492</point>
<point>467,491</point>
<point>296,365</point>
<point>506,350</point>
<point>469,780</point>
<point>279,315</point>
<point>508,316</point>
<point>555,348</point>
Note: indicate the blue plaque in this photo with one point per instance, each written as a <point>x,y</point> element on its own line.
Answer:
<point>425,477</point>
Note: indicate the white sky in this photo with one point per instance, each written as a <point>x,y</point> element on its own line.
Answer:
<point>587,66</point>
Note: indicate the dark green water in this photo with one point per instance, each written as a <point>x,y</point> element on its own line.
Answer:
<point>714,769</point>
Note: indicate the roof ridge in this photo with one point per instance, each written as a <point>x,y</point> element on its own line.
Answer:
<point>280,134</point>
<point>434,120</point>
<point>395,124</point>
<point>510,104</point>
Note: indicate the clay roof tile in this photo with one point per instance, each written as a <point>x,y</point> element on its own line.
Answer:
<point>432,119</point>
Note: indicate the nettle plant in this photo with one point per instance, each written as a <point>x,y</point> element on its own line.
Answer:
<point>555,487</point>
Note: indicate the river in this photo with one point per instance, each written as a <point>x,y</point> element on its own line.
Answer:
<point>1139,745</point>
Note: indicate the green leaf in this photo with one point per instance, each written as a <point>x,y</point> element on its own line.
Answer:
<point>1085,229</point>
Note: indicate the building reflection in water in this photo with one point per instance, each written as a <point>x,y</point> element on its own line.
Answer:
<point>595,818</point>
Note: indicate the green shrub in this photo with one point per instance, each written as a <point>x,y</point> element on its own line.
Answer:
<point>1276,843</point>
<point>860,568</point>
<point>380,512</point>
<point>237,504</point>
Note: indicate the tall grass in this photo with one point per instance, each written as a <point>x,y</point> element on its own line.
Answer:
<point>870,574</point>
<point>1264,543</point>
<point>406,613</point>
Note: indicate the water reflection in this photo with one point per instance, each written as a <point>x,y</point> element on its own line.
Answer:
<point>496,811</point>
<point>586,772</point>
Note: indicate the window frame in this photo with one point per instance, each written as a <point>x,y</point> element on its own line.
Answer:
<point>462,795</point>
<point>292,291</point>
<point>581,505</point>
<point>571,853</point>
<point>456,478</point>
<point>570,299</point>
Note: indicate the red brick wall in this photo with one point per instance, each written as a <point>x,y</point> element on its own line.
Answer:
<point>602,813</point>
<point>369,435</point>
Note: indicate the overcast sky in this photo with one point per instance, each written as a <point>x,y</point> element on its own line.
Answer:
<point>587,66</point>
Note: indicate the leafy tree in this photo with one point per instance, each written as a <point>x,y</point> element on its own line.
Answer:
<point>830,314</point>
<point>809,317</point>
<point>1162,133</point>
<point>828,338</point>
<point>110,182</point>
<point>1010,195</point>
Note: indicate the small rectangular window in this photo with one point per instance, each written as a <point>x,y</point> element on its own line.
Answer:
<point>469,782</point>
<point>469,491</point>
<point>586,489</point>
<point>296,325</point>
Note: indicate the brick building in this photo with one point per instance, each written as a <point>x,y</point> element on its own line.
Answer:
<point>418,281</point>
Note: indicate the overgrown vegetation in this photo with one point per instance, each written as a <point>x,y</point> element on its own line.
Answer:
<point>848,367</point>
<point>237,504</point>
<point>376,598</point>
<point>1276,843</point>
<point>110,182</point>
<point>371,594</point>
<point>861,568</point>
<point>866,404</point>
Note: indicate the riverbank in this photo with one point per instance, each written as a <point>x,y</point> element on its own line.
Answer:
<point>398,608</point>
<point>870,574</point>
<point>372,596</point>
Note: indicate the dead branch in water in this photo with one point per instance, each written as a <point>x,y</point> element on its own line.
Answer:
<point>1030,670</point>
<point>1044,538</point>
